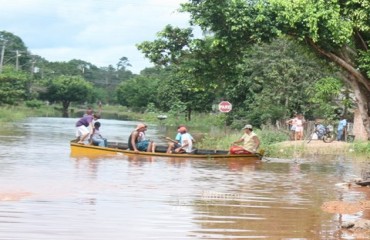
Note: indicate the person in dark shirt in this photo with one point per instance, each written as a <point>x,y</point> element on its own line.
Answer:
<point>135,143</point>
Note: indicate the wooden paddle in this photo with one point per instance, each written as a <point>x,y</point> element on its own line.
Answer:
<point>169,139</point>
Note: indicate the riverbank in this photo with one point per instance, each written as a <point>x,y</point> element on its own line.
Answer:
<point>293,148</point>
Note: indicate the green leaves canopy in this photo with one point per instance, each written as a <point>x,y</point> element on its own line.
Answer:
<point>67,89</point>
<point>13,86</point>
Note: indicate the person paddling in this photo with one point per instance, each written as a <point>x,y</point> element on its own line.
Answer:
<point>186,145</point>
<point>250,141</point>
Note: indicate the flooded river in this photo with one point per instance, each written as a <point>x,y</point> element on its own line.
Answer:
<point>46,193</point>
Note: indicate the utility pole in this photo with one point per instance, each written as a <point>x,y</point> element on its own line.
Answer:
<point>17,60</point>
<point>2,57</point>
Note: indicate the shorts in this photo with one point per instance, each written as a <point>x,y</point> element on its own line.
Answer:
<point>142,145</point>
<point>82,130</point>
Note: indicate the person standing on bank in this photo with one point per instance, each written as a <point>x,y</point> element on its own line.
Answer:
<point>84,127</point>
<point>250,141</point>
<point>342,129</point>
<point>292,123</point>
<point>299,129</point>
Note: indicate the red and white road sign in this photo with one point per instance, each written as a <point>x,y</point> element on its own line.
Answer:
<point>225,106</point>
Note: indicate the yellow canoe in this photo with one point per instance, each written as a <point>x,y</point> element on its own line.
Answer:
<point>121,148</point>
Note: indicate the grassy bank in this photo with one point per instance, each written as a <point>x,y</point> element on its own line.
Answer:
<point>11,114</point>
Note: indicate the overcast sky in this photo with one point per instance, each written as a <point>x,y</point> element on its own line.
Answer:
<point>96,31</point>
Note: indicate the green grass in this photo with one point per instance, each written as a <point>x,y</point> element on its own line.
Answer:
<point>9,114</point>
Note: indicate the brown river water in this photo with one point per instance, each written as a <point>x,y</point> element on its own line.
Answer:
<point>45,193</point>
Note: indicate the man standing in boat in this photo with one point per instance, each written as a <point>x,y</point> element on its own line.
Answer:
<point>85,126</point>
<point>250,141</point>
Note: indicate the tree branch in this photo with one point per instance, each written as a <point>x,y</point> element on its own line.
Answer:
<point>342,63</point>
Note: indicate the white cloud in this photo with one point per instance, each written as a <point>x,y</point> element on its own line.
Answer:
<point>97,31</point>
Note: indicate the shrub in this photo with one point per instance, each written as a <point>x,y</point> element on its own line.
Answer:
<point>34,103</point>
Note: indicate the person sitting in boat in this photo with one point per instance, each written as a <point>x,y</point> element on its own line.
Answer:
<point>250,141</point>
<point>176,143</point>
<point>142,139</point>
<point>136,143</point>
<point>186,144</point>
<point>84,127</point>
<point>96,138</point>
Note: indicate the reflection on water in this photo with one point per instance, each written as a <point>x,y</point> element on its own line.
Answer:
<point>47,193</point>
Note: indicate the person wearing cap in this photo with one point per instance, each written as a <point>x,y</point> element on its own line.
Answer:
<point>250,141</point>
<point>186,144</point>
<point>85,126</point>
<point>176,143</point>
<point>136,143</point>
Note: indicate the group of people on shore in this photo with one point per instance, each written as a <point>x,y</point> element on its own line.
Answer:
<point>88,128</point>
<point>298,122</point>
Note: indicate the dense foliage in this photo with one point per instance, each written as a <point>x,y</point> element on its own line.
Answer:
<point>13,86</point>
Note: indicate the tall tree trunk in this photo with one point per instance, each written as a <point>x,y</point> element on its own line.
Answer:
<point>65,108</point>
<point>362,100</point>
<point>359,82</point>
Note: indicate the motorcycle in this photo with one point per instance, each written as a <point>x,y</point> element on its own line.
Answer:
<point>325,133</point>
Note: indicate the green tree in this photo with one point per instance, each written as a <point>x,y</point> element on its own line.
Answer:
<point>177,95</point>
<point>273,80</point>
<point>67,89</point>
<point>15,51</point>
<point>337,30</point>
<point>137,92</point>
<point>13,86</point>
<point>175,51</point>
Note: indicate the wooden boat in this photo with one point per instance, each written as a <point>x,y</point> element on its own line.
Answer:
<point>122,148</point>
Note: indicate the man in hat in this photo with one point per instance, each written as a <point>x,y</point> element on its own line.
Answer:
<point>134,142</point>
<point>250,141</point>
<point>185,144</point>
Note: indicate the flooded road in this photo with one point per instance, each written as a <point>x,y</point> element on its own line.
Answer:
<point>46,193</point>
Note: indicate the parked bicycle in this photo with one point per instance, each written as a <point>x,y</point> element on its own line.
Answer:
<point>325,133</point>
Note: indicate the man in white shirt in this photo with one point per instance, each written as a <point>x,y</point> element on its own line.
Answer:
<point>186,141</point>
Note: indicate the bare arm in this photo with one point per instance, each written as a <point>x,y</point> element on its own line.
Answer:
<point>256,143</point>
<point>238,141</point>
<point>133,140</point>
